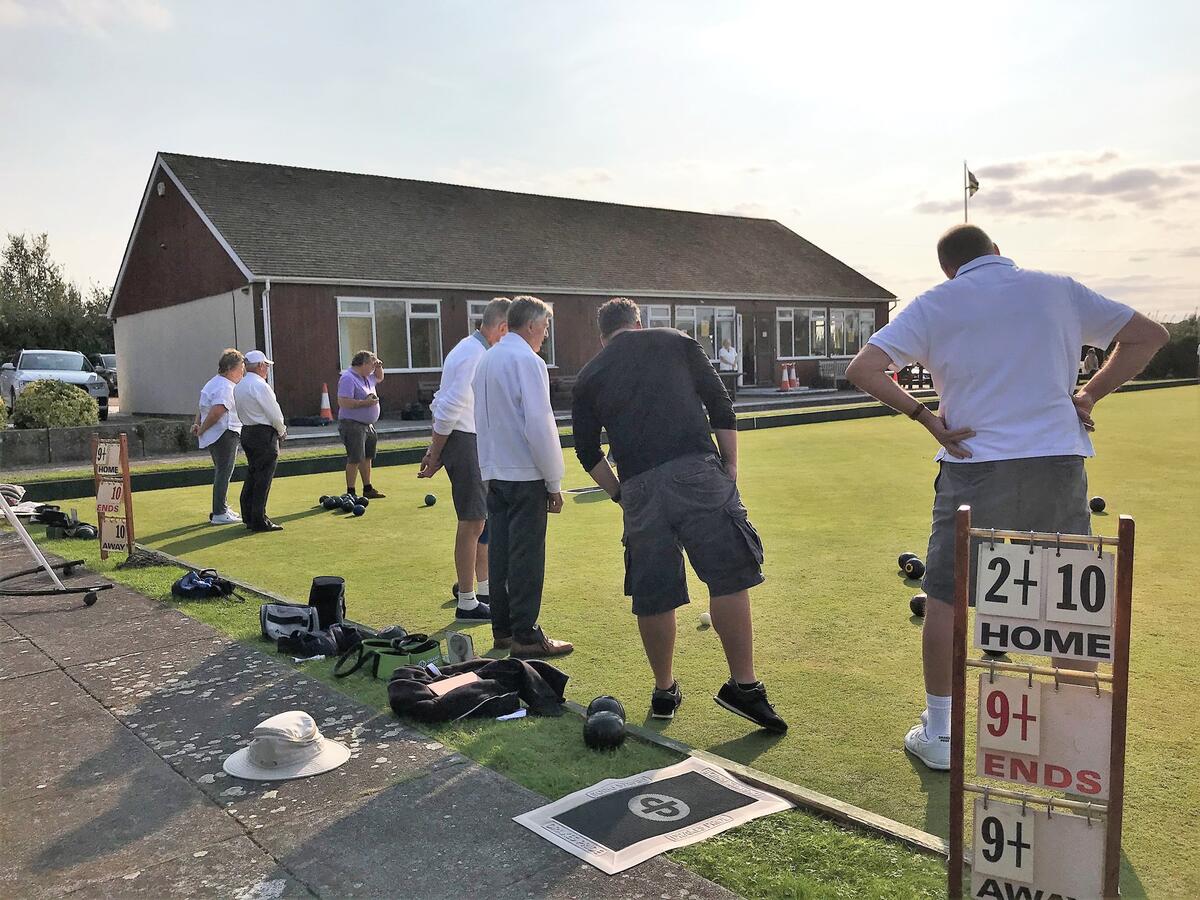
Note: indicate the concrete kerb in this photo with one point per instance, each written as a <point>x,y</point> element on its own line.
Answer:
<point>829,807</point>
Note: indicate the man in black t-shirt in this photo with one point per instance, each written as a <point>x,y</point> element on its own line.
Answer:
<point>650,389</point>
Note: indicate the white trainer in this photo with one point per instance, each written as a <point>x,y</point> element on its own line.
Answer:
<point>934,753</point>
<point>226,518</point>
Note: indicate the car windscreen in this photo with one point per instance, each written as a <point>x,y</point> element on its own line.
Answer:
<point>109,359</point>
<point>56,362</point>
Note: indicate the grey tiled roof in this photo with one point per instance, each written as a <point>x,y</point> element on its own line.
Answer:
<point>307,223</point>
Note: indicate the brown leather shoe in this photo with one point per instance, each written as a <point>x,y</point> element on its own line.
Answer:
<point>372,494</point>
<point>541,646</point>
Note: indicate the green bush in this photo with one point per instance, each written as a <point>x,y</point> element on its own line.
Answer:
<point>54,404</point>
<point>1178,358</point>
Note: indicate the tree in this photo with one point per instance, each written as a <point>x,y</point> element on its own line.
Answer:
<point>39,307</point>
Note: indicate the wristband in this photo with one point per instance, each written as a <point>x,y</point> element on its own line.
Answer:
<point>915,415</point>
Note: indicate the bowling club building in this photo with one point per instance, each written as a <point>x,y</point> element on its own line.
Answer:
<point>311,266</point>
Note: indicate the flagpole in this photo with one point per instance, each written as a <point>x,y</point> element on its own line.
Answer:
<point>965,189</point>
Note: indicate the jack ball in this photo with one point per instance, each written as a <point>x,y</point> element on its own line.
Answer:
<point>358,509</point>
<point>430,499</point>
<point>914,568</point>
<point>917,605</point>
<point>606,703</point>
<point>705,619</point>
<point>1097,504</point>
<point>604,731</point>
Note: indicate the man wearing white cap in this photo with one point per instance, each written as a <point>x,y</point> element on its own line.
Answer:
<point>262,430</point>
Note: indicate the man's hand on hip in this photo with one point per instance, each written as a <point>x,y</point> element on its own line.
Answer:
<point>554,503</point>
<point>950,439</point>
<point>1084,404</point>
<point>430,464</point>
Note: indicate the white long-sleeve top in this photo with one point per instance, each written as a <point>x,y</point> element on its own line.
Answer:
<point>518,440</point>
<point>453,405</point>
<point>256,403</point>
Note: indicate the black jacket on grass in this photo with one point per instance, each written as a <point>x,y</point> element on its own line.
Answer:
<point>503,684</point>
<point>649,389</point>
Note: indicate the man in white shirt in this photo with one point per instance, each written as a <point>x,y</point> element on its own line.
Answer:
<point>520,458</point>
<point>262,430</point>
<point>218,430</point>
<point>455,446</point>
<point>727,356</point>
<point>1002,344</point>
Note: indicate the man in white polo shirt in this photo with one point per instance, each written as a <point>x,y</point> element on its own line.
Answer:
<point>455,446</point>
<point>218,430</point>
<point>262,430</point>
<point>521,460</point>
<point>1002,344</point>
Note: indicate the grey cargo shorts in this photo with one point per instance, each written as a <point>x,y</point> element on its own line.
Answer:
<point>687,504</point>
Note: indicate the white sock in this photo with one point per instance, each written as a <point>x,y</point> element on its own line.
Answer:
<point>939,716</point>
<point>482,588</point>
<point>467,600</point>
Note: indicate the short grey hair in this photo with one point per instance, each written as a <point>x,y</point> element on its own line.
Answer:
<point>496,312</point>
<point>363,356</point>
<point>525,310</point>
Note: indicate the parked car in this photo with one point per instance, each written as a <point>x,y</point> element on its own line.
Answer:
<point>106,368</point>
<point>28,366</point>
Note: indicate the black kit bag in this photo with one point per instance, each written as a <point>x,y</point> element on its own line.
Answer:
<point>328,595</point>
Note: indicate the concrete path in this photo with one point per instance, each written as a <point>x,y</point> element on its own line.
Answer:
<point>114,721</point>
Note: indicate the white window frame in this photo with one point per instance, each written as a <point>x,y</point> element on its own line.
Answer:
<point>552,362</point>
<point>791,314</point>
<point>693,313</point>
<point>656,311</point>
<point>409,315</point>
<point>840,312</point>
<point>475,310</point>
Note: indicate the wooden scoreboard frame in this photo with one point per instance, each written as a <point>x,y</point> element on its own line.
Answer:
<point>128,491</point>
<point>1111,811</point>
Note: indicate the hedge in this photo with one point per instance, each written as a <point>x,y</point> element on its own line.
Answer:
<point>54,404</point>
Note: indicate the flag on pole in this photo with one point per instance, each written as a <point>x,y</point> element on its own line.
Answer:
<point>972,183</point>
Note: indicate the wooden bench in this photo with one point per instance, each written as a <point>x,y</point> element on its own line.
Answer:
<point>426,388</point>
<point>833,370</point>
<point>914,376</point>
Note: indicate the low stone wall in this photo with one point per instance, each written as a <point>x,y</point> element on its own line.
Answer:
<point>55,446</point>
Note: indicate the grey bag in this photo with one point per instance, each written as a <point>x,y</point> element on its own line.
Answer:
<point>283,620</point>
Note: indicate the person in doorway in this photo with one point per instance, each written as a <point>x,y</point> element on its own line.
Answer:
<point>263,429</point>
<point>999,342</point>
<point>727,357</point>
<point>455,446</point>
<point>649,389</point>
<point>219,430</point>
<point>1091,364</point>
<point>358,411</point>
<point>520,459</point>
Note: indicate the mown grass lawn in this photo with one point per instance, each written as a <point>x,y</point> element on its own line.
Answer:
<point>835,503</point>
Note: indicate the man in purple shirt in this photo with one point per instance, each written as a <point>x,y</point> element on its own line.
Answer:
<point>358,411</point>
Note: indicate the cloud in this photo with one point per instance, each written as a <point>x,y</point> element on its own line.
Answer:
<point>1083,186</point>
<point>95,16</point>
<point>748,210</point>
<point>1189,252</point>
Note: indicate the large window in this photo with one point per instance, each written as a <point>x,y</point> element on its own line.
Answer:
<point>709,325</point>
<point>656,316</point>
<point>405,334</point>
<point>801,331</point>
<point>849,330</point>
<point>475,310</point>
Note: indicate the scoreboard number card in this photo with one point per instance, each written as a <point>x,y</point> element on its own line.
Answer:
<point>114,536</point>
<point>1004,840</point>
<point>110,498</point>
<point>1081,587</point>
<point>1009,714</point>
<point>1009,581</point>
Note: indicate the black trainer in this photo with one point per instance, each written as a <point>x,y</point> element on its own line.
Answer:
<point>750,704</point>
<point>481,612</point>
<point>664,703</point>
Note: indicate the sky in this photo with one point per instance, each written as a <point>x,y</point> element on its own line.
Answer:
<point>847,122</point>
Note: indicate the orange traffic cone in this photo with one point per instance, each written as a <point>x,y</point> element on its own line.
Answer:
<point>785,382</point>
<point>795,382</point>
<point>326,410</point>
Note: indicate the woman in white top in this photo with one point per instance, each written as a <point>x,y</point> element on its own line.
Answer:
<point>727,356</point>
<point>219,430</point>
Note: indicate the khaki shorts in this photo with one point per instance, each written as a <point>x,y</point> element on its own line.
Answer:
<point>1043,493</point>
<point>688,504</point>
<point>359,439</point>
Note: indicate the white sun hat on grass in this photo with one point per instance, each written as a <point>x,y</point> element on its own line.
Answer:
<point>285,746</point>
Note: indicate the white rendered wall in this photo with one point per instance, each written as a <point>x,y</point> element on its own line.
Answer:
<point>164,356</point>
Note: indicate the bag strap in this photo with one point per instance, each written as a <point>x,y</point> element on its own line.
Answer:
<point>360,658</point>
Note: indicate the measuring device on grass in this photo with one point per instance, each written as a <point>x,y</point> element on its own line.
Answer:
<point>114,497</point>
<point>1060,731</point>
